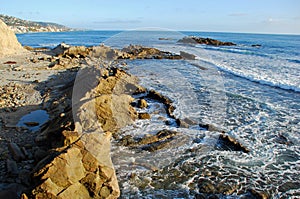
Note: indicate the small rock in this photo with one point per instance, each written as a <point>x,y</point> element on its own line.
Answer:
<point>16,151</point>
<point>142,103</point>
<point>39,154</point>
<point>12,167</point>
<point>105,192</point>
<point>144,116</point>
<point>30,124</point>
<point>10,62</point>
<point>182,123</point>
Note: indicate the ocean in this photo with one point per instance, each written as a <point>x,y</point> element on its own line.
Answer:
<point>251,93</point>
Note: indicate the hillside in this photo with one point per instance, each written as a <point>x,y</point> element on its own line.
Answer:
<point>23,26</point>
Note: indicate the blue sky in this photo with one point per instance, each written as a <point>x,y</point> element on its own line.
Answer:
<point>254,16</point>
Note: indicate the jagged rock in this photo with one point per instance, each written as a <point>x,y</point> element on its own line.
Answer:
<point>182,123</point>
<point>76,51</point>
<point>142,103</point>
<point>60,49</point>
<point>8,41</point>
<point>227,142</point>
<point>140,52</point>
<point>16,151</point>
<point>144,116</point>
<point>207,41</point>
<point>104,52</point>
<point>187,56</point>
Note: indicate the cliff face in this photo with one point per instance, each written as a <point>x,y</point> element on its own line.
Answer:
<point>23,26</point>
<point>8,41</point>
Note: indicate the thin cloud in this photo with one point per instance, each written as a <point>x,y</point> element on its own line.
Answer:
<point>118,21</point>
<point>238,14</point>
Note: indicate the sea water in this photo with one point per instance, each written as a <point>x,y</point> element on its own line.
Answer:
<point>250,93</point>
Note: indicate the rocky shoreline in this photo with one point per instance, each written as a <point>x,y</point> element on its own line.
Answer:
<point>89,97</point>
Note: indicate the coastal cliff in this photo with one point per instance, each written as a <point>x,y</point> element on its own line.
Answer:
<point>24,26</point>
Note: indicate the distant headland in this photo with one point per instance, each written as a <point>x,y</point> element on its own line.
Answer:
<point>24,26</point>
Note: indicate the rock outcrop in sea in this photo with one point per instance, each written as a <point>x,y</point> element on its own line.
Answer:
<point>206,41</point>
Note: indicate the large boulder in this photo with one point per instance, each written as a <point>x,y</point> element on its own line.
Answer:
<point>8,41</point>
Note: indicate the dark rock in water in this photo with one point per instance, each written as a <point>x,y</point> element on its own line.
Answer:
<point>226,142</point>
<point>253,194</point>
<point>144,116</point>
<point>256,45</point>
<point>206,41</point>
<point>187,56</point>
<point>140,52</point>
<point>161,38</point>
<point>31,123</point>
<point>206,186</point>
<point>162,99</point>
<point>281,139</point>
<point>182,123</point>
<point>155,142</point>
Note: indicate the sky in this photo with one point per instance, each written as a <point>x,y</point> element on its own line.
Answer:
<point>250,16</point>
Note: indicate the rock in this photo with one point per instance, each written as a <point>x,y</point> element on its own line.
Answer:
<point>60,49</point>
<point>39,154</point>
<point>140,52</point>
<point>182,123</point>
<point>31,124</point>
<point>227,142</point>
<point>76,190</point>
<point>104,52</point>
<point>8,41</point>
<point>10,62</point>
<point>208,41</point>
<point>142,103</point>
<point>187,56</point>
<point>12,167</point>
<point>256,45</point>
<point>16,151</point>
<point>76,51</point>
<point>144,116</point>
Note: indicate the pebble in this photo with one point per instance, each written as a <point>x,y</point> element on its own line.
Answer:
<point>16,151</point>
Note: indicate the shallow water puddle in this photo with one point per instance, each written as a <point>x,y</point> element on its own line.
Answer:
<point>34,120</point>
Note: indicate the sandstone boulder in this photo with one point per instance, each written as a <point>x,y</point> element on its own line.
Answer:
<point>8,41</point>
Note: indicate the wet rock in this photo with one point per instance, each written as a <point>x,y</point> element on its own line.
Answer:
<point>144,116</point>
<point>140,52</point>
<point>187,56</point>
<point>16,151</point>
<point>256,45</point>
<point>155,142</point>
<point>31,124</point>
<point>152,94</point>
<point>281,139</point>
<point>253,194</point>
<point>227,142</point>
<point>142,103</point>
<point>206,41</point>
<point>182,123</point>
<point>206,186</point>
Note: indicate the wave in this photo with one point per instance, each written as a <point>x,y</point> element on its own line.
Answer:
<point>255,77</point>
